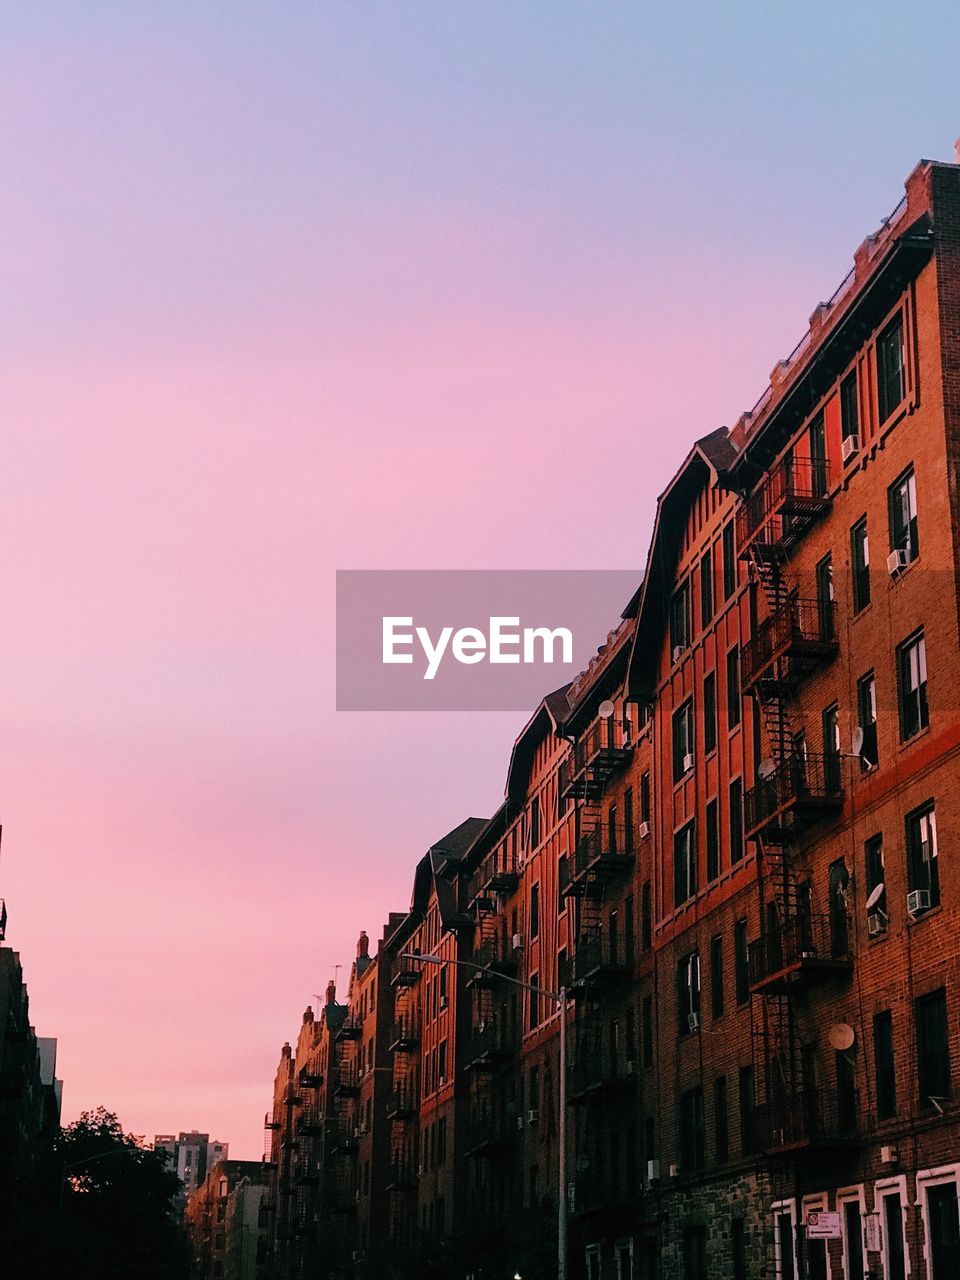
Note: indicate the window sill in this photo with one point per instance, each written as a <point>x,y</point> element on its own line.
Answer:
<point>908,742</point>
<point>913,921</point>
<point>899,576</point>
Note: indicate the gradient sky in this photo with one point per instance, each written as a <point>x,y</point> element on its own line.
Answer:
<point>300,286</point>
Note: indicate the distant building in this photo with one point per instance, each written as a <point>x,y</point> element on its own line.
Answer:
<point>223,1221</point>
<point>190,1155</point>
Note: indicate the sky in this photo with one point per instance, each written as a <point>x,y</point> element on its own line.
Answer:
<point>292,288</point>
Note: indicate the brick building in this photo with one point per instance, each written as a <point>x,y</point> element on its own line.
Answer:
<point>728,842</point>
<point>223,1220</point>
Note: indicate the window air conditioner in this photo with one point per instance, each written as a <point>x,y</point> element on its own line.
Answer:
<point>533,1115</point>
<point>518,942</point>
<point>678,651</point>
<point>897,561</point>
<point>653,1170</point>
<point>693,1021</point>
<point>918,900</point>
<point>849,446</point>
<point>644,830</point>
<point>629,1068</point>
<point>875,924</point>
<point>674,1171</point>
<point>444,1001</point>
<point>888,1155</point>
<point>688,762</point>
<point>519,1122</point>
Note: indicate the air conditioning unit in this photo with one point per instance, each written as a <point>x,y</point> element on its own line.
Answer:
<point>918,900</point>
<point>444,1001</point>
<point>674,1171</point>
<point>644,830</point>
<point>678,651</point>
<point>363,1128</point>
<point>693,1021</point>
<point>875,924</point>
<point>688,762</point>
<point>358,1255</point>
<point>629,1068</point>
<point>888,1155</point>
<point>533,1115</point>
<point>897,561</point>
<point>518,942</point>
<point>653,1170</point>
<point>519,1122</point>
<point>849,446</point>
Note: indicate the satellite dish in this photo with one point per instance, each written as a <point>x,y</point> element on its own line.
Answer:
<point>605,710</point>
<point>766,768</point>
<point>875,895</point>
<point>857,741</point>
<point>841,1036</point>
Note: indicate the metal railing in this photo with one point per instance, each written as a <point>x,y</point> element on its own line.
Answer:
<point>794,485</point>
<point>603,848</point>
<point>597,956</point>
<point>820,1118</point>
<point>605,745</point>
<point>596,1068</point>
<point>497,873</point>
<point>405,1033</point>
<point>490,1043</point>
<point>809,781</point>
<point>805,942</point>
<point>797,624</point>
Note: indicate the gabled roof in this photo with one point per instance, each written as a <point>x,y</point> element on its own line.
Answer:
<point>548,718</point>
<point>707,462</point>
<point>449,850</point>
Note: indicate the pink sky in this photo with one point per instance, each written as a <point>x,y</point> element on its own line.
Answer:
<point>342,291</point>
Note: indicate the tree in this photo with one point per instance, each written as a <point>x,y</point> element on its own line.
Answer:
<point>107,1212</point>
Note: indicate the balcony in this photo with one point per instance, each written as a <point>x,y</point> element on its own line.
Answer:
<point>348,1081</point>
<point>405,1035</point>
<point>350,1029</point>
<point>490,1135</point>
<point>597,960</point>
<point>309,1124</point>
<point>270,1123</point>
<point>407,974</point>
<point>497,956</point>
<point>291,1098</point>
<point>598,1193</point>
<point>310,1079</point>
<point>810,1121</point>
<point>801,790</point>
<point>595,1071</point>
<point>789,645</point>
<point>788,500</point>
<point>490,1045</point>
<point>308,1176</point>
<point>404,1102</point>
<point>345,1138</point>
<point>796,955</point>
<point>402,1176</point>
<point>595,759</point>
<point>498,873</point>
<point>599,856</point>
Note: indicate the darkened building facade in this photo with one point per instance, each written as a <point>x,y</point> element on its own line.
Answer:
<point>729,842</point>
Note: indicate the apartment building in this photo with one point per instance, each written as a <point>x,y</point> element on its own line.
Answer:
<point>222,1217</point>
<point>726,846</point>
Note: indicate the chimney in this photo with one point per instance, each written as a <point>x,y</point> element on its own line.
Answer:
<point>308,1014</point>
<point>331,992</point>
<point>286,1050</point>
<point>363,945</point>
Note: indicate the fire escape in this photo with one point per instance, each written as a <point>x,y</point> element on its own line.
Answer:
<point>797,950</point>
<point>404,1101</point>
<point>599,1070</point>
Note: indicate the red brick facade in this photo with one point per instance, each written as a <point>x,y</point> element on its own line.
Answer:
<point>730,843</point>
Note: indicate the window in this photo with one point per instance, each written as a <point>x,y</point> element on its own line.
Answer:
<point>894,1251</point>
<point>534,911</point>
<point>684,865</point>
<point>891,381</point>
<point>902,507</point>
<point>933,1053</point>
<point>683,741</point>
<point>740,967</point>
<point>680,618</point>
<point>860,564</point>
<point>830,728</point>
<point>442,1062</point>
<point>646,916</point>
<point>823,574</point>
<point>534,823</point>
<point>716,976</point>
<point>923,868</point>
<point>873,865</point>
<point>688,993</point>
<point>867,720</point>
<point>747,1103</point>
<point>692,1136</point>
<point>912,680</point>
<point>846,1092</point>
<point>628,929</point>
<point>695,1253</point>
<point>645,797</point>
<point>736,820</point>
<point>534,1001</point>
<point>721,1130</point>
<point>738,1247</point>
<point>712,840</point>
<point>883,1064</point>
<point>646,1026</point>
<point>709,711</point>
<point>628,820</point>
<point>706,589</point>
<point>852,1238</point>
<point>733,687</point>
<point>729,562</point>
<point>849,409</point>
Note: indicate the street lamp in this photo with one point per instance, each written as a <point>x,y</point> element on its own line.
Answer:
<point>560,999</point>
